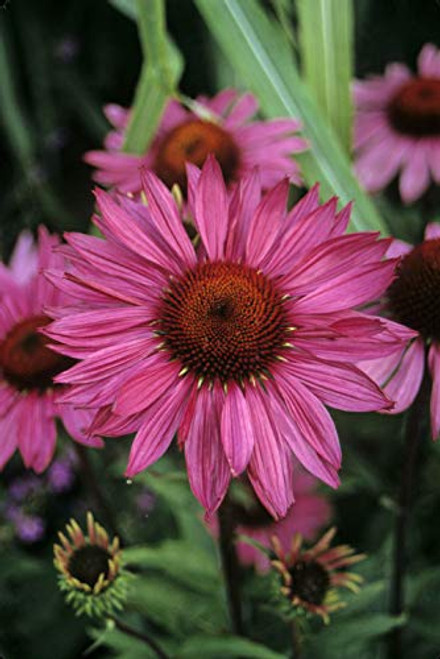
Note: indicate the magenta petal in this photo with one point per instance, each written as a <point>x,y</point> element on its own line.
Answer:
<point>270,466</point>
<point>355,287</point>
<point>266,223</point>
<point>340,385</point>
<point>211,209</point>
<point>302,449</point>
<point>311,418</point>
<point>145,387</point>
<point>399,374</point>
<point>434,367</point>
<point>166,217</point>
<point>126,231</point>
<point>8,428</point>
<point>237,430</point>
<point>208,470</point>
<point>158,428</point>
<point>432,231</point>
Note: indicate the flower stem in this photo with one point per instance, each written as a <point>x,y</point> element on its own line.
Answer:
<point>231,569</point>
<point>92,484</point>
<point>140,636</point>
<point>415,428</point>
<point>296,640</point>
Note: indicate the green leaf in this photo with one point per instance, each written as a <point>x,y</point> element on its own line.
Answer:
<point>160,74</point>
<point>182,561</point>
<point>224,647</point>
<point>175,608</point>
<point>259,51</point>
<point>326,49</point>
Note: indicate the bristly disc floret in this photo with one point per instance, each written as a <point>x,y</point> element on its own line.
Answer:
<point>224,321</point>
<point>192,142</point>
<point>90,570</point>
<point>415,107</point>
<point>311,578</point>
<point>413,298</point>
<point>26,361</point>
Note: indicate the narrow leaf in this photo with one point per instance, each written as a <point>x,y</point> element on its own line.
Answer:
<point>261,55</point>
<point>326,49</point>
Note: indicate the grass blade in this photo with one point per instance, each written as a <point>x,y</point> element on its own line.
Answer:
<point>258,50</point>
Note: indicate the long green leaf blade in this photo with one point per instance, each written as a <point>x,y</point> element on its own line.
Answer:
<point>160,74</point>
<point>326,49</point>
<point>258,50</point>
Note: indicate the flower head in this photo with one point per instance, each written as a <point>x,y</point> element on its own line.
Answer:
<point>413,299</point>
<point>311,578</point>
<point>222,126</point>
<point>397,127</point>
<point>235,346</point>
<point>29,398</point>
<point>90,569</point>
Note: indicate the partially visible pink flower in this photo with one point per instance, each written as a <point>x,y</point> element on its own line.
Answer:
<point>236,346</point>
<point>225,128</point>
<point>397,127</point>
<point>310,512</point>
<point>414,300</point>
<point>29,399</point>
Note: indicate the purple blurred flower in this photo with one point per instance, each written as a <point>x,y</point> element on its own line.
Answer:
<point>60,476</point>
<point>29,528</point>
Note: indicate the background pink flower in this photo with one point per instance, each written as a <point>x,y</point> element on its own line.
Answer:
<point>397,127</point>
<point>413,299</point>
<point>307,515</point>
<point>236,347</point>
<point>225,129</point>
<point>29,400</point>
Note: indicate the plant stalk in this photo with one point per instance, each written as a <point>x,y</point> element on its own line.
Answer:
<point>415,429</point>
<point>231,568</point>
<point>140,636</point>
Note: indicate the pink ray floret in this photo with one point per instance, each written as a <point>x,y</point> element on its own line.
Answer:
<point>397,127</point>
<point>413,300</point>
<point>224,345</point>
<point>30,402</point>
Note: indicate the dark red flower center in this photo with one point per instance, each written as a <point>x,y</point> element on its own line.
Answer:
<point>414,296</point>
<point>87,563</point>
<point>192,142</point>
<point>310,582</point>
<point>223,320</point>
<point>25,359</point>
<point>415,108</point>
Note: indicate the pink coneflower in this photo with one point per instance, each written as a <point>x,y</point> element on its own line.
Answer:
<point>237,346</point>
<point>414,300</point>
<point>223,127</point>
<point>397,128</point>
<point>310,512</point>
<point>312,578</point>
<point>29,400</point>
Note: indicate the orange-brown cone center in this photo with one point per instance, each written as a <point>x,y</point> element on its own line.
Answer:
<point>192,142</point>
<point>415,108</point>
<point>223,321</point>
<point>414,296</point>
<point>25,359</point>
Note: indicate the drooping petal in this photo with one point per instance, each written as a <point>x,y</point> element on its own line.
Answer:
<point>211,209</point>
<point>237,430</point>
<point>434,368</point>
<point>158,428</point>
<point>208,470</point>
<point>270,466</point>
